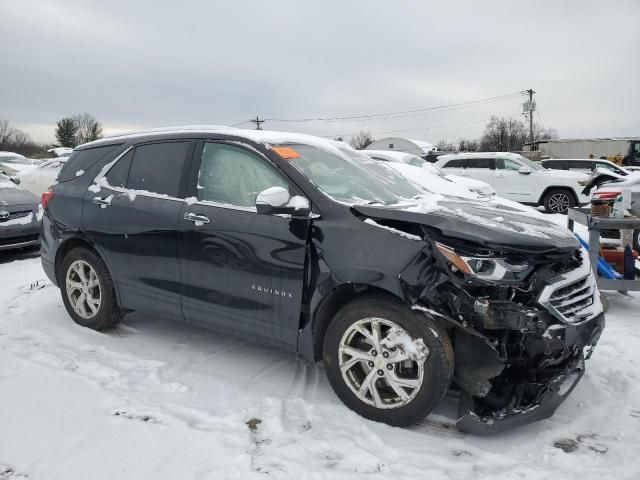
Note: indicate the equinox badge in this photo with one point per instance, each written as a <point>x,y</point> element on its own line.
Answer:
<point>272,291</point>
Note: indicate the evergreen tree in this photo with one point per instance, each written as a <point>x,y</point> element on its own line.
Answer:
<point>66,130</point>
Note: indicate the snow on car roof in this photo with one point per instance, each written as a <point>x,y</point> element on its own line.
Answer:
<point>11,154</point>
<point>258,136</point>
<point>453,156</point>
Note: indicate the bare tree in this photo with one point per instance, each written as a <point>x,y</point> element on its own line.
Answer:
<point>504,135</point>
<point>361,140</point>
<point>15,140</point>
<point>443,146</point>
<point>465,145</point>
<point>89,128</point>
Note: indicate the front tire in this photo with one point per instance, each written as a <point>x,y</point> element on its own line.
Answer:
<point>387,362</point>
<point>87,290</point>
<point>559,200</point>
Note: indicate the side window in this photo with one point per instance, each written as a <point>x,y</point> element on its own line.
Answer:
<point>507,164</point>
<point>119,173</point>
<point>458,163</point>
<point>480,163</point>
<point>158,167</point>
<point>606,165</point>
<point>234,176</point>
<point>580,165</point>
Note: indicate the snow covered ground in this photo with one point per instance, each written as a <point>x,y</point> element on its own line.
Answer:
<point>154,399</point>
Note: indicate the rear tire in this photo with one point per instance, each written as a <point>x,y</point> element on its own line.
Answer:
<point>559,200</point>
<point>87,290</point>
<point>405,390</point>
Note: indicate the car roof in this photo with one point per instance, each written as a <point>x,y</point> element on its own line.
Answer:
<point>395,154</point>
<point>11,154</point>
<point>458,156</point>
<point>256,136</point>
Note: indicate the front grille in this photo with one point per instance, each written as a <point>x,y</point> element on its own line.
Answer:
<point>571,300</point>
<point>13,215</point>
<point>573,296</point>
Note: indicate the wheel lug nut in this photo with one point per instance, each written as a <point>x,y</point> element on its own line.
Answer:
<point>371,364</point>
<point>385,354</point>
<point>374,353</point>
<point>380,372</point>
<point>389,367</point>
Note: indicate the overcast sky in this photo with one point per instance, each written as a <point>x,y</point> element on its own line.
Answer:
<point>139,64</point>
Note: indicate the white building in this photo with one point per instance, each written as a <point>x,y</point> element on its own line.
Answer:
<point>416,147</point>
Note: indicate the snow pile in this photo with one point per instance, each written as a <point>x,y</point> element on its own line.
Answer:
<point>414,348</point>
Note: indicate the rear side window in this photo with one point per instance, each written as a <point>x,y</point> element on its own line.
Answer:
<point>581,165</point>
<point>459,163</point>
<point>480,163</point>
<point>82,160</point>
<point>158,167</point>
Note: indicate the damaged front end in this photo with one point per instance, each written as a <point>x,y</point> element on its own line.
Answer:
<point>524,324</point>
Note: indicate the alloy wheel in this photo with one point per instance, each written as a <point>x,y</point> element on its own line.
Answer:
<point>559,202</point>
<point>379,376</point>
<point>83,289</point>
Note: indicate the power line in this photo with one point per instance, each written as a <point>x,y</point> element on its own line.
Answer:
<point>403,113</point>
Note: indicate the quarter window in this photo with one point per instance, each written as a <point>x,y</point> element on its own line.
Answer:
<point>158,167</point>
<point>231,175</point>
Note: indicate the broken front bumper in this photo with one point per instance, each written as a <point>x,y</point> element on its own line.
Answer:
<point>475,418</point>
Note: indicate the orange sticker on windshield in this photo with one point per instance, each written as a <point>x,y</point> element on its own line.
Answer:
<point>287,153</point>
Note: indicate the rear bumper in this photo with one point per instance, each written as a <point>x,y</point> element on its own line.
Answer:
<point>475,417</point>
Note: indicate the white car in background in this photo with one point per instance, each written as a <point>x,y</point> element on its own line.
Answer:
<point>11,163</point>
<point>61,151</point>
<point>430,178</point>
<point>519,179</point>
<point>395,157</point>
<point>38,179</point>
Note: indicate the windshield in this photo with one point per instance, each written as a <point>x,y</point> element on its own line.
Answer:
<point>350,177</point>
<point>529,163</point>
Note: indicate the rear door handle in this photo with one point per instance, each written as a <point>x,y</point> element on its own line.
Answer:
<point>103,202</point>
<point>195,218</point>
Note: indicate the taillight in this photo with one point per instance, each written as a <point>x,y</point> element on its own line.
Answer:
<point>46,197</point>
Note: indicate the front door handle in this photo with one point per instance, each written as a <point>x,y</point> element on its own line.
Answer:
<point>195,218</point>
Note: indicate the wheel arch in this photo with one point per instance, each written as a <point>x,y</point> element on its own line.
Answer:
<point>558,187</point>
<point>69,244</point>
<point>332,302</point>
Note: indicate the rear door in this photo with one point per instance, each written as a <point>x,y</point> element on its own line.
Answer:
<point>242,271</point>
<point>134,219</point>
<point>455,166</point>
<point>481,169</point>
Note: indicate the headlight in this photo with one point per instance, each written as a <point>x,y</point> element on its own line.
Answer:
<point>486,268</point>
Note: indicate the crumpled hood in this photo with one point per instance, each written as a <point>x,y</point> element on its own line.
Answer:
<point>16,196</point>
<point>497,227</point>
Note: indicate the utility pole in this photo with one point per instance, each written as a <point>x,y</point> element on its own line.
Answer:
<point>258,122</point>
<point>531,106</point>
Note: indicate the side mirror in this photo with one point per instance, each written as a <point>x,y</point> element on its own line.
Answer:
<point>277,201</point>
<point>524,170</point>
<point>15,180</point>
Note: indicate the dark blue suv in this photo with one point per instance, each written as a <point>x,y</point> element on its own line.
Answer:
<point>306,244</point>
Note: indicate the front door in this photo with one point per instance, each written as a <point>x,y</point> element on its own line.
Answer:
<point>133,218</point>
<point>510,183</point>
<point>481,169</point>
<point>242,271</point>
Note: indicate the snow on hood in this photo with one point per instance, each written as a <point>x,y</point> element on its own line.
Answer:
<point>489,223</point>
<point>631,181</point>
